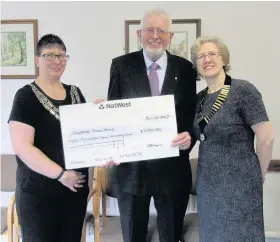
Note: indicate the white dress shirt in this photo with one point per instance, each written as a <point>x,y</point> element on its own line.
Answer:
<point>162,62</point>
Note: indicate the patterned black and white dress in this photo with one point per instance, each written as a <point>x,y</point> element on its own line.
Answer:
<point>229,180</point>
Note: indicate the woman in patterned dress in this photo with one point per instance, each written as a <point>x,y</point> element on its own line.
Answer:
<point>230,175</point>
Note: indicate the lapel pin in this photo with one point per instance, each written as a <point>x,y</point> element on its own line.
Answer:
<point>175,77</point>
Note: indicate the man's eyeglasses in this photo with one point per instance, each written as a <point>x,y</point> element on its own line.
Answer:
<point>52,57</point>
<point>150,32</point>
<point>211,55</point>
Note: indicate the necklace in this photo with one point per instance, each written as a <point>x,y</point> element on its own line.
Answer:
<point>204,120</point>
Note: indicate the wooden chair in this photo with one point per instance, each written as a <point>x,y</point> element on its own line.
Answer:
<point>103,176</point>
<point>102,179</point>
<point>8,184</point>
<point>94,195</point>
<point>14,232</point>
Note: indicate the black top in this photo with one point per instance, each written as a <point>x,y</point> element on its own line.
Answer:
<point>29,110</point>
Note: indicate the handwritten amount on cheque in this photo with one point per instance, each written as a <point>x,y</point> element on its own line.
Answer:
<point>80,138</point>
<point>115,137</point>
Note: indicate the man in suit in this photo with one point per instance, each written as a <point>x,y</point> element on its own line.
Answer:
<point>167,180</point>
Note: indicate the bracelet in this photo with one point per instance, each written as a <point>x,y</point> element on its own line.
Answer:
<point>60,174</point>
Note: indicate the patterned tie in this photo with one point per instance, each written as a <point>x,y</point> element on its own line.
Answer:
<point>153,79</point>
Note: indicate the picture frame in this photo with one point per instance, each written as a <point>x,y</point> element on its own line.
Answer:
<point>18,48</point>
<point>185,33</point>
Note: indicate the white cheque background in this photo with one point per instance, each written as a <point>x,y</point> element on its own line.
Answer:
<point>140,130</point>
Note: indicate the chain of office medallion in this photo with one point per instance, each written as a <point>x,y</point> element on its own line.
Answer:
<point>48,105</point>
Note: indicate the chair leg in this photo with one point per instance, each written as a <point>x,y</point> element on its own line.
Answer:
<point>83,237</point>
<point>16,226</point>
<point>103,192</point>
<point>10,218</point>
<point>96,214</point>
<point>96,230</point>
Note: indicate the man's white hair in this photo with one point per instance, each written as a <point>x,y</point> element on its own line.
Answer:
<point>157,12</point>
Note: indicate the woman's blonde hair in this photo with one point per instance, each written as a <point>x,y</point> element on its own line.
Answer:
<point>223,49</point>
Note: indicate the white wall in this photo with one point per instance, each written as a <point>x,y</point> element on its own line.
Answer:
<point>271,208</point>
<point>94,34</point>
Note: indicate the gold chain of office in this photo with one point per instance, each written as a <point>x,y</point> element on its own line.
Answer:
<point>218,103</point>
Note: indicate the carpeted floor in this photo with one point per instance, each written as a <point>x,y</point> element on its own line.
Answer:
<point>112,231</point>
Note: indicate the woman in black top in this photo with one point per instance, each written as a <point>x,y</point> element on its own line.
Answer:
<point>51,202</point>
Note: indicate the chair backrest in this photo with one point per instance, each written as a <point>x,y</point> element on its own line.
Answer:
<point>8,172</point>
<point>193,163</point>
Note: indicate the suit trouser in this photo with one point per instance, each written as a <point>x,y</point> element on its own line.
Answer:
<point>134,214</point>
<point>51,216</point>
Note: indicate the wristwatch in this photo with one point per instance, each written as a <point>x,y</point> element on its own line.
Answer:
<point>60,174</point>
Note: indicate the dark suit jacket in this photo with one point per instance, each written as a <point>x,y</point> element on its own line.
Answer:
<point>128,79</point>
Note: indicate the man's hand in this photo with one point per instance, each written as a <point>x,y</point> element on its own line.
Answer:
<point>99,100</point>
<point>183,140</point>
<point>72,179</point>
<point>110,163</point>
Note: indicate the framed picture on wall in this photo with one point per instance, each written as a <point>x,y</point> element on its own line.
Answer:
<point>18,43</point>
<point>185,32</point>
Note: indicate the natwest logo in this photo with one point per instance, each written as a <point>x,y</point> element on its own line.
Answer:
<point>115,105</point>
